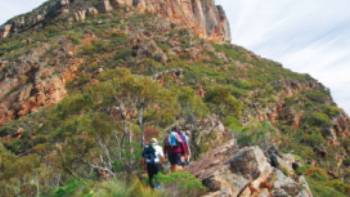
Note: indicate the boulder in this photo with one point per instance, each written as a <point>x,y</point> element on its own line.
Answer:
<point>305,189</point>
<point>213,170</point>
<point>285,184</point>
<point>246,172</point>
<point>251,163</point>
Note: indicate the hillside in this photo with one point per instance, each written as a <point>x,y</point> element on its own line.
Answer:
<point>82,82</point>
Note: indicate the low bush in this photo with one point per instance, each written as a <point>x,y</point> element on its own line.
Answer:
<point>181,184</point>
<point>221,101</point>
<point>318,119</point>
<point>317,96</point>
<point>232,123</point>
<point>320,189</point>
<point>114,187</point>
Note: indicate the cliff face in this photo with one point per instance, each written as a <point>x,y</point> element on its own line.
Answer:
<point>205,18</point>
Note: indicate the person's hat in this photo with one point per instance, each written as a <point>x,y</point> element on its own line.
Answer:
<point>154,141</point>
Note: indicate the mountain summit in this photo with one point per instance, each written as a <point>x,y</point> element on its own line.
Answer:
<point>205,18</point>
<point>85,84</point>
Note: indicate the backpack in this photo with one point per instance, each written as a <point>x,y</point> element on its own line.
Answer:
<point>172,140</point>
<point>149,153</point>
<point>184,137</point>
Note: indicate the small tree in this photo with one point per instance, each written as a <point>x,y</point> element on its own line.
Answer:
<point>136,100</point>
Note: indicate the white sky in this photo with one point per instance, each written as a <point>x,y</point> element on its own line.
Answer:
<point>307,36</point>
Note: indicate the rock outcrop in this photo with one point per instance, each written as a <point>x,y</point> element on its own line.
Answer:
<point>205,18</point>
<point>28,83</point>
<point>231,171</point>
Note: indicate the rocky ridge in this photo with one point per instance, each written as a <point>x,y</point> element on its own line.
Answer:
<point>205,18</point>
<point>232,171</point>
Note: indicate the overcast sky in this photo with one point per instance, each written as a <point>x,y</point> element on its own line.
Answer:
<point>307,36</point>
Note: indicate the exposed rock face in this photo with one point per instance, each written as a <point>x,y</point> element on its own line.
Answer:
<point>32,84</point>
<point>230,171</point>
<point>205,18</point>
<point>6,30</point>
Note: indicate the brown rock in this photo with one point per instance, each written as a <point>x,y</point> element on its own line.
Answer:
<point>30,87</point>
<point>5,31</point>
<point>207,20</point>
<point>230,171</point>
<point>251,163</point>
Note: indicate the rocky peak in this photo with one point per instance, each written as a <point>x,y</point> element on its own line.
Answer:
<point>205,18</point>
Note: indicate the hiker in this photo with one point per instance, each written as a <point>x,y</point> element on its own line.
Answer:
<point>175,148</point>
<point>152,159</point>
<point>186,137</point>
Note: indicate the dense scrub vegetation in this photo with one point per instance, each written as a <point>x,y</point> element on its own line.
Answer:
<point>120,93</point>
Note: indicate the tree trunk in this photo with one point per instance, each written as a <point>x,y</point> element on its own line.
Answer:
<point>140,120</point>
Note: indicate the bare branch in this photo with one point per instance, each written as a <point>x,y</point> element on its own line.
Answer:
<point>102,169</point>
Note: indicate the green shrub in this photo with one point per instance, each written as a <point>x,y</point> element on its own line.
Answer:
<point>317,96</point>
<point>319,189</point>
<point>73,104</point>
<point>232,123</point>
<point>339,186</point>
<point>346,162</point>
<point>235,53</point>
<point>313,139</point>
<point>222,102</point>
<point>331,110</point>
<point>250,138</point>
<point>260,134</point>
<point>68,189</point>
<point>191,104</point>
<point>318,119</point>
<point>110,188</point>
<point>244,84</point>
<point>98,46</point>
<point>181,184</point>
<point>317,174</point>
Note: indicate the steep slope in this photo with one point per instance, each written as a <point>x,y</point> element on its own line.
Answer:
<point>73,92</point>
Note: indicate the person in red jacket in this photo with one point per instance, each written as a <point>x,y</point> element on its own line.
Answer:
<point>175,148</point>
